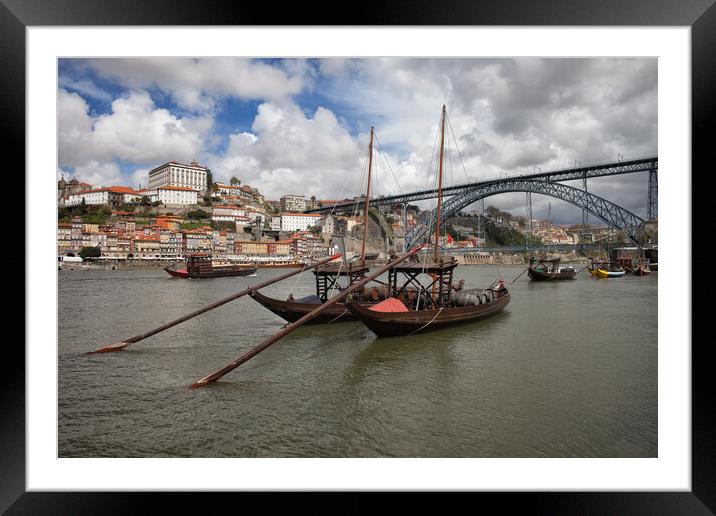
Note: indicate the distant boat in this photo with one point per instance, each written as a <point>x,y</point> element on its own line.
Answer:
<point>638,265</point>
<point>200,265</point>
<point>549,270</point>
<point>606,270</point>
<point>641,269</point>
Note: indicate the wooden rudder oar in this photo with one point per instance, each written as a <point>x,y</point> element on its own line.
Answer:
<point>124,343</point>
<point>288,329</point>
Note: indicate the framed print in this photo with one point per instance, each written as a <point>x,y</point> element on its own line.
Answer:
<point>205,153</point>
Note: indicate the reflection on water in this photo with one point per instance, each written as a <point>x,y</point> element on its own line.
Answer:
<point>568,369</point>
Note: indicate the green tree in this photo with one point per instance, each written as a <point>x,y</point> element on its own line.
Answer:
<point>145,200</point>
<point>197,215</point>
<point>235,181</point>
<point>209,178</point>
<point>90,252</point>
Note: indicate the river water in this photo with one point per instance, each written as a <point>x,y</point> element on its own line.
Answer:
<point>568,369</point>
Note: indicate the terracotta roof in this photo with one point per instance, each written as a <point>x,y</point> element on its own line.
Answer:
<point>301,214</point>
<point>115,189</point>
<point>183,188</point>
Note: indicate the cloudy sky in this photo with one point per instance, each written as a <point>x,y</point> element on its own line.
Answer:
<point>301,125</point>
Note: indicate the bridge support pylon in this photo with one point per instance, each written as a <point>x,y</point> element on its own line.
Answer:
<point>653,205</point>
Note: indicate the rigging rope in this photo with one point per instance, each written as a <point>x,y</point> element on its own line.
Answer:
<point>457,148</point>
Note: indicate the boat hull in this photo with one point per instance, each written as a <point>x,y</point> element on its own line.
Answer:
<point>177,273</point>
<point>601,273</point>
<point>535,275</point>
<point>216,273</point>
<point>292,311</point>
<point>395,324</point>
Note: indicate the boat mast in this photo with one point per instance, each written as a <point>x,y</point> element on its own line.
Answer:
<point>366,204</point>
<point>440,183</point>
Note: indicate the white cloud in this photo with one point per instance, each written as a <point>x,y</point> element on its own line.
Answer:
<point>290,152</point>
<point>197,84</point>
<point>100,174</point>
<point>85,87</point>
<point>135,131</point>
<point>139,178</point>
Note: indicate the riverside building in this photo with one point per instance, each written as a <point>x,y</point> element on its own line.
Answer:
<point>175,174</point>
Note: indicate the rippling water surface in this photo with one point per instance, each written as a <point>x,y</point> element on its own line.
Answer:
<point>568,369</point>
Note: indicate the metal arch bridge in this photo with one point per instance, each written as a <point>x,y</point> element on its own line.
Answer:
<point>649,164</point>
<point>607,211</point>
<point>564,247</point>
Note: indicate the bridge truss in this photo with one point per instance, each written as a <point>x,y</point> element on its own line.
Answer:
<point>650,164</point>
<point>612,214</point>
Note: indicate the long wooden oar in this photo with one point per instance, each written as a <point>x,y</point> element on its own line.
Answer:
<point>580,270</point>
<point>520,274</point>
<point>285,331</point>
<point>124,343</point>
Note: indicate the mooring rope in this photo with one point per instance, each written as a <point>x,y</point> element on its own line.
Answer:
<point>428,323</point>
<point>341,315</point>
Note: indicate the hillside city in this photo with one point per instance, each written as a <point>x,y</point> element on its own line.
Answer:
<point>183,211</point>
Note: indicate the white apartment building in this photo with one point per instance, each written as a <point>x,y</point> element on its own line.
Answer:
<point>170,195</point>
<point>229,214</point>
<point>178,175</point>
<point>291,202</point>
<point>275,223</point>
<point>108,195</point>
<point>298,221</point>
<point>177,195</point>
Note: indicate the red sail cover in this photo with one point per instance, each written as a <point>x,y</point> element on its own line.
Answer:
<point>391,304</point>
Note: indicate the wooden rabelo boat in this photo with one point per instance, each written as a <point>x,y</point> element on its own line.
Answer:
<point>549,270</point>
<point>200,265</point>
<point>641,268</point>
<point>331,278</point>
<point>436,304</point>
<point>416,307</point>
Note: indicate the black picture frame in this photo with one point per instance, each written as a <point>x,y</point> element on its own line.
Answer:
<point>700,15</point>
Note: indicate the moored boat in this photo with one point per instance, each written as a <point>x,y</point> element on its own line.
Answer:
<point>200,265</point>
<point>430,311</point>
<point>416,307</point>
<point>328,281</point>
<point>331,278</point>
<point>606,270</point>
<point>641,269</point>
<point>549,270</point>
